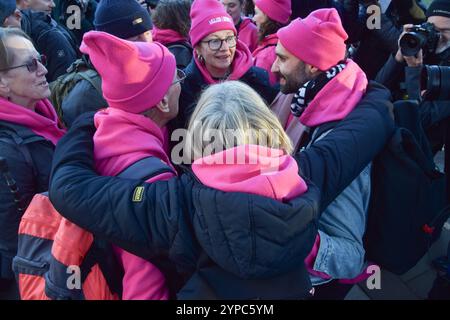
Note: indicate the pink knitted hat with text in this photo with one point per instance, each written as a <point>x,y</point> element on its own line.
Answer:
<point>277,10</point>
<point>208,16</point>
<point>318,40</point>
<point>135,75</point>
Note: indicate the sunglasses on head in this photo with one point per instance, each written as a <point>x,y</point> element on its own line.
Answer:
<point>32,66</point>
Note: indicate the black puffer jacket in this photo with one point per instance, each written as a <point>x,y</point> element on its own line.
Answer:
<point>226,245</point>
<point>17,143</point>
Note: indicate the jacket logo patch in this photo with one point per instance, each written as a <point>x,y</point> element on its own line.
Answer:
<point>138,194</point>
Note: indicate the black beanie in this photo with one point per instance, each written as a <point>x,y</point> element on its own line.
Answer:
<point>439,8</point>
<point>122,18</point>
<point>7,8</point>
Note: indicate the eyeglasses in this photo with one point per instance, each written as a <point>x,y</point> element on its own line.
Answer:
<point>180,77</point>
<point>216,44</point>
<point>32,66</point>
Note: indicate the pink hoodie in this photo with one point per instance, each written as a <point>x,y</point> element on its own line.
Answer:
<point>338,98</point>
<point>166,36</point>
<point>248,33</point>
<point>252,169</point>
<point>121,139</point>
<point>242,62</point>
<point>43,121</point>
<point>264,56</point>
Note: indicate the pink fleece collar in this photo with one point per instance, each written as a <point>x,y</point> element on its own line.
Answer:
<point>122,138</point>
<point>338,98</point>
<point>43,121</point>
<point>166,36</point>
<point>242,62</point>
<point>270,40</point>
<point>252,169</point>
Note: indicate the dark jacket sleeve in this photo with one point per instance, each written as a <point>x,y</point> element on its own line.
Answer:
<point>336,160</point>
<point>115,209</point>
<point>391,74</point>
<point>10,217</point>
<point>431,111</point>
<point>82,98</point>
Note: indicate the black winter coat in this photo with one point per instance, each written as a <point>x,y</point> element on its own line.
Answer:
<point>31,178</point>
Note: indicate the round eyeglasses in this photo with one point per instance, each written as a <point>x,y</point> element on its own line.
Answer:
<point>216,44</point>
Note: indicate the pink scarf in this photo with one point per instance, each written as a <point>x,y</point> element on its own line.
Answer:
<point>43,121</point>
<point>122,138</point>
<point>338,98</point>
<point>165,36</point>
<point>242,62</point>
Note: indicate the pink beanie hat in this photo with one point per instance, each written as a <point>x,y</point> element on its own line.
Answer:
<point>208,16</point>
<point>318,40</point>
<point>135,75</point>
<point>277,10</point>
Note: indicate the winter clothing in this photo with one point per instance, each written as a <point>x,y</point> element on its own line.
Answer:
<point>264,56</point>
<point>7,8</point>
<point>340,234</point>
<point>206,232</point>
<point>51,40</point>
<point>439,8</point>
<point>178,45</point>
<point>267,172</point>
<point>321,29</point>
<point>338,98</point>
<point>43,122</point>
<point>127,85</point>
<point>83,97</point>
<point>122,18</point>
<point>369,121</point>
<point>165,36</point>
<point>196,82</point>
<point>277,10</point>
<point>372,119</point>
<point>248,33</point>
<point>208,16</point>
<point>27,142</point>
<point>123,138</point>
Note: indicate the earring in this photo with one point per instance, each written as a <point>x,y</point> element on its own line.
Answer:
<point>200,58</point>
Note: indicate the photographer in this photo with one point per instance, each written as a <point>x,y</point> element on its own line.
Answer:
<point>426,44</point>
<point>374,44</point>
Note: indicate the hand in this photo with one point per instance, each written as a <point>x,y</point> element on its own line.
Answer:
<point>414,61</point>
<point>399,56</point>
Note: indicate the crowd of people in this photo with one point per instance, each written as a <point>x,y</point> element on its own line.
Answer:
<point>264,117</point>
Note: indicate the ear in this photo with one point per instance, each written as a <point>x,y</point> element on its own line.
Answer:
<point>163,105</point>
<point>4,87</point>
<point>312,69</point>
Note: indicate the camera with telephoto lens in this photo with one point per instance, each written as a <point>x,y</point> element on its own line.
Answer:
<point>423,36</point>
<point>436,81</point>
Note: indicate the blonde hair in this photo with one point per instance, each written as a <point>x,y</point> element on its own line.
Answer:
<point>236,115</point>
